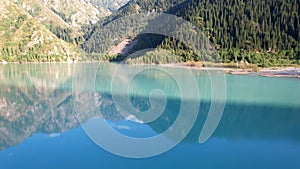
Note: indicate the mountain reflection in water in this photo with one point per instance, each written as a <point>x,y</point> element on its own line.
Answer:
<point>38,98</point>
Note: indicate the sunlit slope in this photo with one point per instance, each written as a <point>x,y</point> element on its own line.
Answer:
<point>23,38</point>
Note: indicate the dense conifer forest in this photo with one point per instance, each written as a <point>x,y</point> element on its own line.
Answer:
<point>265,33</point>
<point>261,33</point>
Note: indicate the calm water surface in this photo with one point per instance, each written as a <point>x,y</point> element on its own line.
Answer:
<point>43,105</point>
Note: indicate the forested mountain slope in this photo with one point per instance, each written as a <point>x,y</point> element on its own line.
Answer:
<point>259,32</point>
<point>264,33</point>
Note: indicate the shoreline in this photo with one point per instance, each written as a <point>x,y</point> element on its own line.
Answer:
<point>288,72</point>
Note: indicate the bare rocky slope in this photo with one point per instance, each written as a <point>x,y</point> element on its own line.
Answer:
<point>44,31</point>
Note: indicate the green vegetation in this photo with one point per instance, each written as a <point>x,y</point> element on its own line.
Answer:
<point>158,56</point>
<point>61,33</point>
<point>264,33</point>
<point>260,33</point>
<point>22,39</point>
<point>101,57</point>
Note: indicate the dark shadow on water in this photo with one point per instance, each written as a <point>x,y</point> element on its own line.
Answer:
<point>55,114</point>
<point>241,121</point>
<point>34,99</point>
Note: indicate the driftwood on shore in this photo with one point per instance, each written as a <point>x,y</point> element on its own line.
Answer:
<point>3,62</point>
<point>290,72</point>
<point>271,72</point>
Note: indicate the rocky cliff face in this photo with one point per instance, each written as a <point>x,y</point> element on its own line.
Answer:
<point>72,13</point>
<point>110,5</point>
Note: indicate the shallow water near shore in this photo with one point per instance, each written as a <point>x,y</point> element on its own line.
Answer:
<point>43,108</point>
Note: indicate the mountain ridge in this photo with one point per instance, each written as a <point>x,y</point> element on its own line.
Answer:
<point>45,31</point>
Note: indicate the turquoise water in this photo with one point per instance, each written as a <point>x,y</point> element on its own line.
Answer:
<point>42,107</point>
